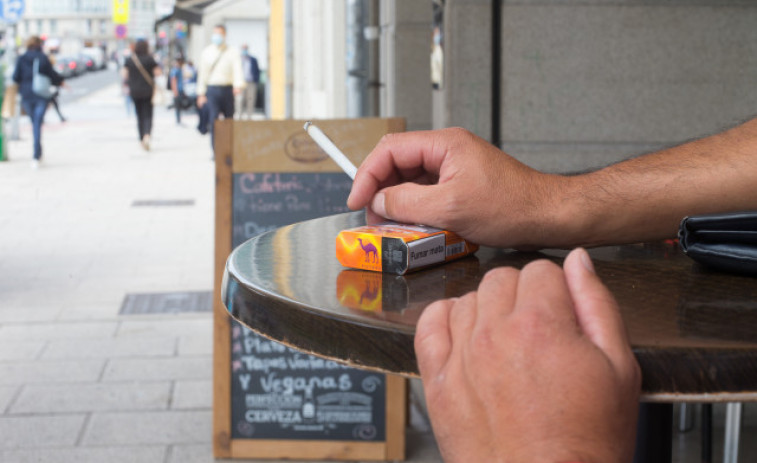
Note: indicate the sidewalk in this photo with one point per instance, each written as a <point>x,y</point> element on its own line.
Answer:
<point>78,381</point>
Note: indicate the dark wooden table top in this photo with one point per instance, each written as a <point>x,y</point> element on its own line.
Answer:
<point>694,331</point>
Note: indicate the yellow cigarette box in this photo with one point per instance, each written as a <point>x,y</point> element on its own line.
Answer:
<point>399,248</point>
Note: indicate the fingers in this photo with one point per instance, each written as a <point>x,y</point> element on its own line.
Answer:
<point>433,340</point>
<point>496,298</point>
<point>396,158</point>
<point>596,310</point>
<point>412,203</point>
<point>542,288</point>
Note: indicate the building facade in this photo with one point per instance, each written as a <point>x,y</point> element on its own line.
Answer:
<point>70,24</point>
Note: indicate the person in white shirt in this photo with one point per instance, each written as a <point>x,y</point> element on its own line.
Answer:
<point>219,79</point>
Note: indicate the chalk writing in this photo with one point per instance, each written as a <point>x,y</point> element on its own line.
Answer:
<point>278,392</point>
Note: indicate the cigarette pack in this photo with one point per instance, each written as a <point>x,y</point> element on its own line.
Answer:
<point>399,248</point>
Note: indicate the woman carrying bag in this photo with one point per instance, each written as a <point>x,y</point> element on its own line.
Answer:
<point>141,70</point>
<point>34,75</point>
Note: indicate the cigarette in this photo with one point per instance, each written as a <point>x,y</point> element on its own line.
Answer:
<point>330,148</point>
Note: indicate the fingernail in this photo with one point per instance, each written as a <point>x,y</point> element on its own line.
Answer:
<point>378,206</point>
<point>586,260</point>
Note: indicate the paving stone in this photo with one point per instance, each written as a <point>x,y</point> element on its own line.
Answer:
<point>39,431</point>
<point>196,345</point>
<point>170,427</point>
<point>57,330</point>
<point>158,369</point>
<point>20,350</point>
<point>140,454</point>
<point>110,347</point>
<point>94,397</point>
<point>192,394</point>
<point>178,325</point>
<point>50,372</point>
<point>6,395</point>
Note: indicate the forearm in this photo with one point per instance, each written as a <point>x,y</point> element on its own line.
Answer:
<point>645,198</point>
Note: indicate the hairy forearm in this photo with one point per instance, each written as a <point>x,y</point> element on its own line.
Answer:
<point>645,198</point>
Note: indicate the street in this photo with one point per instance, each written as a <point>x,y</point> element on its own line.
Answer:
<point>87,83</point>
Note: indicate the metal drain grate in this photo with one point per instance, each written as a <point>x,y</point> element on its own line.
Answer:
<point>163,303</point>
<point>162,202</point>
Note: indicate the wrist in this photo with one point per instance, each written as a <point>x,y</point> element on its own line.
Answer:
<point>565,213</point>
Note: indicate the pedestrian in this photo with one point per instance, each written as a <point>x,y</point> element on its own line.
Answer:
<point>219,79</point>
<point>140,71</point>
<point>176,82</point>
<point>251,72</point>
<point>35,102</point>
<point>56,93</point>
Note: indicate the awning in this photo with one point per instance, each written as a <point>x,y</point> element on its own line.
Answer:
<point>187,10</point>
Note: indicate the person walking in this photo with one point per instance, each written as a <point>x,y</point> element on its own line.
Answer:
<point>176,80</point>
<point>246,99</point>
<point>219,79</point>
<point>32,62</point>
<point>140,72</point>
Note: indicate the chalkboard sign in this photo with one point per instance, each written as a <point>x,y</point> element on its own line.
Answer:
<point>267,396</point>
<point>278,392</point>
<point>265,201</point>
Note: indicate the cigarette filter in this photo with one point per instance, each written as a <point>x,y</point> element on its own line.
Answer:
<point>399,248</point>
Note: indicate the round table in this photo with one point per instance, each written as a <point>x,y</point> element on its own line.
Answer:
<point>694,332</point>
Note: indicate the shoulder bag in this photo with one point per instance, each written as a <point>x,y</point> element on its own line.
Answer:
<point>157,94</point>
<point>40,82</point>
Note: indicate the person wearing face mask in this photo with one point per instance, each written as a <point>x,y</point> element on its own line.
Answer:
<point>251,72</point>
<point>219,79</point>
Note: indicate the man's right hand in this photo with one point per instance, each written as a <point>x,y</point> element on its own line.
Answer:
<point>535,366</point>
<point>201,100</point>
<point>454,180</point>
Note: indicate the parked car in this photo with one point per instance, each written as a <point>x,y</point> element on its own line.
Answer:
<point>88,64</point>
<point>66,66</point>
<point>81,64</point>
<point>97,55</point>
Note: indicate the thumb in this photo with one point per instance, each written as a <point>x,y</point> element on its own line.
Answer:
<point>410,203</point>
<point>597,312</point>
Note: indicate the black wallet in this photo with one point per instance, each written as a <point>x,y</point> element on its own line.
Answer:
<point>724,241</point>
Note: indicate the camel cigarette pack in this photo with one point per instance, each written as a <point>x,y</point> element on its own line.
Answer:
<point>399,248</point>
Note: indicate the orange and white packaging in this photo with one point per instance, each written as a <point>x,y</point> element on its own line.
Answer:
<point>399,248</point>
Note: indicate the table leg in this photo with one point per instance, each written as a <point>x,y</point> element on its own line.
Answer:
<point>654,434</point>
<point>732,430</point>
<point>706,433</point>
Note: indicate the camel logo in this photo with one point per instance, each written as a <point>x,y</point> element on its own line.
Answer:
<point>370,250</point>
<point>370,293</point>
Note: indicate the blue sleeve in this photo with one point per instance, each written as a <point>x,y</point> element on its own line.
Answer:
<point>255,69</point>
<point>17,71</point>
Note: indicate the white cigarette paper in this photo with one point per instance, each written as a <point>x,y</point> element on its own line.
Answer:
<point>330,148</point>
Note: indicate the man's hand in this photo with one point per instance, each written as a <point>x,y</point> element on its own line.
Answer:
<point>455,180</point>
<point>533,367</point>
<point>201,100</point>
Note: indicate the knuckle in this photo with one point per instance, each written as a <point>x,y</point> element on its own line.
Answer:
<point>500,274</point>
<point>541,266</point>
<point>387,138</point>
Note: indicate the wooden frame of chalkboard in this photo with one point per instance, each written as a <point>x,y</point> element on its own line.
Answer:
<point>246,148</point>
